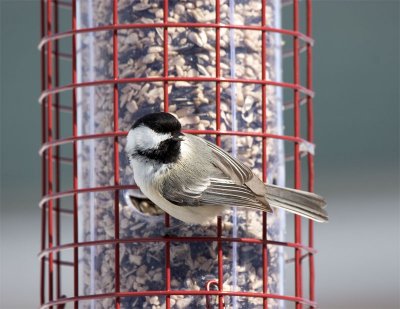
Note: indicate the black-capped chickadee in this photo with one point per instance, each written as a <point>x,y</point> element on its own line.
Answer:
<point>194,180</point>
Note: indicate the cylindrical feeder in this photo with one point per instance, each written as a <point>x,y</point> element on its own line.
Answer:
<point>217,66</point>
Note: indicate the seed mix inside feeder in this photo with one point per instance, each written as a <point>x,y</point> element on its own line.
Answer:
<point>191,53</point>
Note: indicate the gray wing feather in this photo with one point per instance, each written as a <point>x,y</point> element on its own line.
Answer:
<point>219,179</point>
<point>232,167</point>
<point>185,195</point>
<point>237,171</point>
<point>304,203</point>
<point>221,191</point>
<point>228,182</point>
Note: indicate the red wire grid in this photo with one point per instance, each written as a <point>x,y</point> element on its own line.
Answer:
<point>50,256</point>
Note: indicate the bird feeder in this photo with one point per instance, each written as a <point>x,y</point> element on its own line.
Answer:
<point>217,66</point>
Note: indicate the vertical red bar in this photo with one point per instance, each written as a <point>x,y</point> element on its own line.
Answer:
<point>264,143</point>
<point>218,141</point>
<point>310,137</point>
<point>116,154</point>
<point>264,88</point>
<point>43,138</point>
<point>57,150</point>
<point>75,157</point>
<point>218,70</point>
<point>50,150</point>
<point>297,162</point>
<point>165,20</point>
<point>167,265</point>
<point>166,108</point>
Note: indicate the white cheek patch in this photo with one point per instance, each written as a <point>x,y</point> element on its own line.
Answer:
<point>144,138</point>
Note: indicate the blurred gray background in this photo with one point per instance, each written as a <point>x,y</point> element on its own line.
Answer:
<point>356,78</point>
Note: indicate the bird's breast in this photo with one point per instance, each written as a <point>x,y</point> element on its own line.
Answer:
<point>148,174</point>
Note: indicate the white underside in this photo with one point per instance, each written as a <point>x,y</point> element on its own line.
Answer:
<point>188,214</point>
<point>145,174</point>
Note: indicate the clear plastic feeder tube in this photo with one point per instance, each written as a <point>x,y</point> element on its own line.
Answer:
<point>191,53</point>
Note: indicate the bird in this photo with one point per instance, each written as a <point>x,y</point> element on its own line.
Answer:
<point>194,180</point>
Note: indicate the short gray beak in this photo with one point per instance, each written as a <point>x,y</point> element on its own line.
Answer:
<point>178,137</point>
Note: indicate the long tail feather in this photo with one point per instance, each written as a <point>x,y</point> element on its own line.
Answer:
<point>303,203</point>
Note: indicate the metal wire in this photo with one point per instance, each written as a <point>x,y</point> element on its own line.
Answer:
<point>52,141</point>
<point>67,300</point>
<point>297,162</point>
<point>310,137</point>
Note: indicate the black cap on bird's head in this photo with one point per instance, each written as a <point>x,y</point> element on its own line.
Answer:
<point>156,136</point>
<point>159,122</point>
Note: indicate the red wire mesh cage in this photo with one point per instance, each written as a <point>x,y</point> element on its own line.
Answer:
<point>217,66</point>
